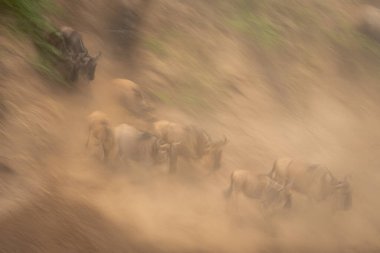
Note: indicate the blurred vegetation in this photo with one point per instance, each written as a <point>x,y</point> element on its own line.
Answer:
<point>29,15</point>
<point>29,18</point>
<point>189,92</point>
<point>272,21</point>
<point>351,39</point>
<point>259,28</point>
<point>156,46</point>
<point>297,35</point>
<point>277,28</point>
<point>296,28</point>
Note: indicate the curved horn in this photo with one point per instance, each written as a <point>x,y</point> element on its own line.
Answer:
<point>207,136</point>
<point>176,143</point>
<point>165,145</point>
<point>223,142</point>
<point>339,185</point>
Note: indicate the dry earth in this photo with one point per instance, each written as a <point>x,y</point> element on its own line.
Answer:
<point>305,101</point>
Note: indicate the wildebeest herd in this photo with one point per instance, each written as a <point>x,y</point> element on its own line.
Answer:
<point>288,176</point>
<point>167,142</point>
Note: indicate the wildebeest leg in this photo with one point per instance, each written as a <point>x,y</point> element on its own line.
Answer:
<point>313,200</point>
<point>102,155</point>
<point>98,152</point>
<point>173,164</point>
<point>74,72</point>
<point>288,204</point>
<point>232,194</point>
<point>217,160</point>
<point>231,200</point>
<point>234,200</point>
<point>106,153</point>
<point>173,159</point>
<point>88,139</point>
<point>228,192</point>
<point>263,207</point>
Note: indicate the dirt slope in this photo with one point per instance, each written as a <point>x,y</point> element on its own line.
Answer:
<point>277,78</point>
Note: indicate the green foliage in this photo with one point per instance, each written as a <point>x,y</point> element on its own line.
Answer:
<point>158,43</point>
<point>28,17</point>
<point>45,67</point>
<point>28,13</point>
<point>251,19</point>
<point>368,45</point>
<point>190,94</point>
<point>257,27</point>
<point>156,46</point>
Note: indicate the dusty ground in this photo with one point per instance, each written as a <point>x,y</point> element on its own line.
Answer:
<point>300,102</point>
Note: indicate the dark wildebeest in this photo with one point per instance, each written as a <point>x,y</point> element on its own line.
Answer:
<point>313,180</point>
<point>190,143</point>
<point>268,192</point>
<point>70,44</point>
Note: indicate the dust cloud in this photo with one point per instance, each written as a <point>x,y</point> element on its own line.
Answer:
<point>54,197</point>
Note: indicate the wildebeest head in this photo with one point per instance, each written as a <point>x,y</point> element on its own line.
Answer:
<point>137,104</point>
<point>338,190</point>
<point>214,151</point>
<point>277,196</point>
<point>160,151</point>
<point>142,102</point>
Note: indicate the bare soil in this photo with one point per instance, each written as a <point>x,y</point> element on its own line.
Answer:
<point>304,102</point>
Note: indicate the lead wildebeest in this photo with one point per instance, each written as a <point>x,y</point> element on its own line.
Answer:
<point>189,142</point>
<point>313,180</point>
<point>269,193</point>
<point>75,55</point>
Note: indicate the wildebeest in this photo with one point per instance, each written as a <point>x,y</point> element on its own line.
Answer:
<point>370,22</point>
<point>100,135</point>
<point>75,55</point>
<point>131,96</point>
<point>142,147</point>
<point>261,187</point>
<point>313,180</point>
<point>169,131</point>
<point>190,143</point>
<point>124,142</point>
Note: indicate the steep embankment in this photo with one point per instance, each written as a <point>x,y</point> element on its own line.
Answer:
<point>277,78</point>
